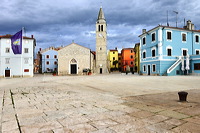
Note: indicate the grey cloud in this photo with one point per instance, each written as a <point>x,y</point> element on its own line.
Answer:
<point>59,22</point>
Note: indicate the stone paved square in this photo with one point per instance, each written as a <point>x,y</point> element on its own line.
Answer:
<point>113,103</point>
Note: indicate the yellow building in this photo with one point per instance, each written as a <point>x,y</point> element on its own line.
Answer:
<point>137,57</point>
<point>113,58</point>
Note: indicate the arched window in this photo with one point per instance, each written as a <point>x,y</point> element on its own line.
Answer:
<point>73,61</point>
<point>144,54</point>
<point>101,27</point>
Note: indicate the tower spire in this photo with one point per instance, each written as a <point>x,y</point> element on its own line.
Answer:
<point>101,15</point>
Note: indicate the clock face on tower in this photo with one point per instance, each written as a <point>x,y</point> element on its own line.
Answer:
<point>100,35</point>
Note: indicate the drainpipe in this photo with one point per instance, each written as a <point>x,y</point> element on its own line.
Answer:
<point>90,59</point>
<point>192,43</point>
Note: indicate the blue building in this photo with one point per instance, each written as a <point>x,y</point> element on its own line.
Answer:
<point>170,50</point>
<point>48,60</point>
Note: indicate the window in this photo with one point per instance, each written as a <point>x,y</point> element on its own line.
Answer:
<point>154,68</point>
<point>47,62</point>
<point>196,66</point>
<point>183,37</point>
<point>7,50</point>
<point>144,55</point>
<point>131,63</point>
<point>119,58</point>
<point>144,68</point>
<point>55,62</point>
<point>197,39</point>
<point>113,52</point>
<point>55,69</point>
<point>100,48</point>
<point>131,51</point>
<point>55,56</point>
<point>26,70</point>
<point>153,52</point>
<point>169,52</point>
<point>153,37</point>
<point>25,50</point>
<point>47,56</point>
<point>197,52</point>
<point>169,35</point>
<point>101,27</point>
<point>144,40</point>
<point>113,58</point>
<point>48,69</point>
<point>184,52</point>
<point>7,60</point>
<point>25,60</point>
<point>131,57</point>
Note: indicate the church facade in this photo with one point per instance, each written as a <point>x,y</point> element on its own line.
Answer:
<point>74,59</point>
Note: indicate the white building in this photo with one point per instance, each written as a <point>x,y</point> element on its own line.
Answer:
<point>19,65</point>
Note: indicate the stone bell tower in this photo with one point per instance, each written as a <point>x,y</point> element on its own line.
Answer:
<point>101,43</point>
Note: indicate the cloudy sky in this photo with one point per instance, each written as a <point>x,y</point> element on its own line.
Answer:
<point>59,22</point>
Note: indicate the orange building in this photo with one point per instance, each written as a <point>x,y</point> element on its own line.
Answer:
<point>120,61</point>
<point>128,57</point>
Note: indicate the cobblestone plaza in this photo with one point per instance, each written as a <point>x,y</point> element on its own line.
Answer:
<point>112,103</point>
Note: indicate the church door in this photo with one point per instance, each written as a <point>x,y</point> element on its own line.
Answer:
<point>73,69</point>
<point>73,66</point>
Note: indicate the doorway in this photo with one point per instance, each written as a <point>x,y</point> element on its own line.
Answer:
<point>7,73</point>
<point>101,70</point>
<point>149,69</point>
<point>73,69</point>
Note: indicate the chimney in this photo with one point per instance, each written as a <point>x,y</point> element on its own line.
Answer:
<point>40,49</point>
<point>143,31</point>
<point>115,48</point>
<point>31,36</point>
<point>190,26</point>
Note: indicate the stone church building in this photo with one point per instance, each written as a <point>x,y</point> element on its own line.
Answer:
<point>74,58</point>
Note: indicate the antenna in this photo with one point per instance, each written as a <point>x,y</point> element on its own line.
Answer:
<point>176,16</point>
<point>167,19</point>
<point>184,21</point>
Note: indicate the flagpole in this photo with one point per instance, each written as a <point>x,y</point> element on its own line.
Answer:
<point>22,52</point>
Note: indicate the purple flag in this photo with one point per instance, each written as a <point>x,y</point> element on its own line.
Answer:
<point>16,43</point>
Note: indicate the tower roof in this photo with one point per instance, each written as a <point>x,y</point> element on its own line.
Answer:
<point>101,17</point>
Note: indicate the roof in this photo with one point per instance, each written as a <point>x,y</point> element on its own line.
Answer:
<point>9,36</point>
<point>127,48</point>
<point>101,17</point>
<point>176,28</point>
<point>93,52</point>
<point>113,50</point>
<point>101,14</point>
<point>73,44</point>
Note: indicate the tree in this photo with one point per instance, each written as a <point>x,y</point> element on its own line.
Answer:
<point>115,63</point>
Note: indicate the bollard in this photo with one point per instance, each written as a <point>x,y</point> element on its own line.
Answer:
<point>182,96</point>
